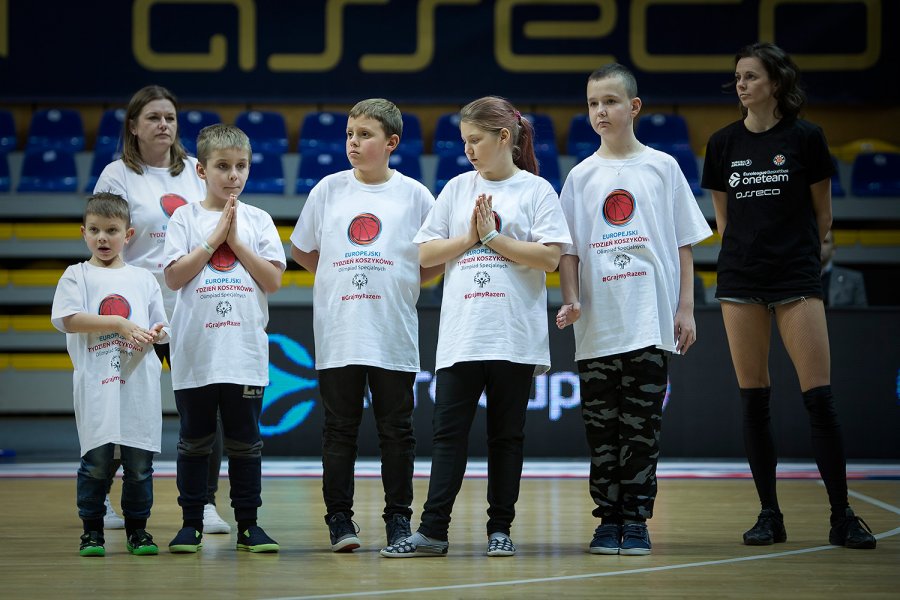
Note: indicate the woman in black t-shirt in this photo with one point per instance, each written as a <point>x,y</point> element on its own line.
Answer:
<point>770,177</point>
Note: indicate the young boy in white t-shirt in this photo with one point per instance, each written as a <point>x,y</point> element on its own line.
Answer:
<point>112,313</point>
<point>627,284</point>
<point>355,233</point>
<point>224,258</point>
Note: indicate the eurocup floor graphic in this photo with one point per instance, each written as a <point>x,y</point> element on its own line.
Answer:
<point>478,468</point>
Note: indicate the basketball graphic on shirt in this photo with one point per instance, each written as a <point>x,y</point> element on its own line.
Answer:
<point>364,229</point>
<point>223,259</point>
<point>169,202</point>
<point>618,208</point>
<point>498,222</point>
<point>115,305</point>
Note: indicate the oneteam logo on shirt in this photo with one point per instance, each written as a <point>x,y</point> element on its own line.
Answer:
<point>734,180</point>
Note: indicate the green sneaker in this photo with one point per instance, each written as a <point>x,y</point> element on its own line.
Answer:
<point>141,543</point>
<point>187,541</point>
<point>254,539</point>
<point>92,544</point>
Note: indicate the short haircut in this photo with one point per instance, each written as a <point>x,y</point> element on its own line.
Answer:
<point>221,137</point>
<point>383,111</point>
<point>620,71</point>
<point>108,205</point>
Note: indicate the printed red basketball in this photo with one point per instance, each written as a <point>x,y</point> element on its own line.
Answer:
<point>618,208</point>
<point>169,202</point>
<point>498,223</point>
<point>364,229</point>
<point>223,259</point>
<point>116,305</point>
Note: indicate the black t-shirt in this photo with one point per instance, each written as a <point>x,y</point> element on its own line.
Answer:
<point>770,247</point>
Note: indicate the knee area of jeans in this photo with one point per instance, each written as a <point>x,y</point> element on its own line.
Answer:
<point>243,449</point>
<point>99,471</point>
<point>197,446</point>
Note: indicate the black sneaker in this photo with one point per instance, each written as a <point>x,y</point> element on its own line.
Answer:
<point>769,529</point>
<point>254,539</point>
<point>635,540</point>
<point>397,529</point>
<point>850,531</point>
<point>92,544</point>
<point>141,543</point>
<point>607,538</point>
<point>343,533</point>
<point>187,541</point>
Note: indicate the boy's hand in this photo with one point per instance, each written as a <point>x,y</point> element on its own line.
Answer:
<point>568,314</point>
<point>232,238</point>
<point>156,331</point>
<point>685,331</point>
<point>484,215</point>
<point>223,227</point>
<point>133,332</point>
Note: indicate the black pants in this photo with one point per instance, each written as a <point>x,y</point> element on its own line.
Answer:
<point>458,388</point>
<point>342,391</point>
<point>239,407</point>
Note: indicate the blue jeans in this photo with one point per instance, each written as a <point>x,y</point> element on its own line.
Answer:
<point>137,483</point>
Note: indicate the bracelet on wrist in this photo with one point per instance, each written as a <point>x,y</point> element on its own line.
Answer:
<point>489,236</point>
<point>205,245</point>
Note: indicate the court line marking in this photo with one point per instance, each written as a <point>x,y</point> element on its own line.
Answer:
<point>709,563</point>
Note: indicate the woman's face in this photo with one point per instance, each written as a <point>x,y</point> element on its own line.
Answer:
<point>752,83</point>
<point>156,127</point>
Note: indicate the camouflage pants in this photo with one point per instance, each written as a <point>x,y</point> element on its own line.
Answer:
<point>621,404</point>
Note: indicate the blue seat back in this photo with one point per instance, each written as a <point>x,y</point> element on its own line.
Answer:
<point>582,140</point>
<point>266,174</point>
<point>102,157</point>
<point>411,143</point>
<point>189,125</point>
<point>876,174</point>
<point>548,163</point>
<point>4,172</point>
<point>266,129</point>
<point>109,133</point>
<point>48,171</point>
<point>406,164</point>
<point>837,189</point>
<point>323,132</point>
<point>316,165</point>
<point>7,132</point>
<point>688,162</point>
<point>56,129</point>
<point>449,167</point>
<point>663,131</point>
<point>447,140</point>
<point>544,133</point>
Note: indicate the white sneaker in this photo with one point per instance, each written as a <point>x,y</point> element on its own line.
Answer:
<point>111,520</point>
<point>212,522</point>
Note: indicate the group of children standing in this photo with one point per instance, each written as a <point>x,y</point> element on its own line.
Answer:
<point>620,234</point>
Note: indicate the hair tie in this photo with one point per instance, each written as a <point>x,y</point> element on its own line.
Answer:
<point>518,115</point>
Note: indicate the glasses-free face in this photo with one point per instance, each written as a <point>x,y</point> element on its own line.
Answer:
<point>156,127</point>
<point>610,109</point>
<point>225,173</point>
<point>105,238</point>
<point>489,152</point>
<point>752,83</point>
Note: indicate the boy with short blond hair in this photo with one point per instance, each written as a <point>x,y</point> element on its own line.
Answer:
<point>355,233</point>
<point>112,313</point>
<point>224,258</point>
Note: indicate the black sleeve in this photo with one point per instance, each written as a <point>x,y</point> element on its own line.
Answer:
<point>821,165</point>
<point>712,171</point>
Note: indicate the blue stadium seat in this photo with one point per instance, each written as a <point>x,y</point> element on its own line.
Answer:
<point>102,157</point>
<point>663,132</point>
<point>876,175</point>
<point>323,132</point>
<point>408,165</point>
<point>411,143</point>
<point>544,133</point>
<point>837,190</point>
<point>4,172</point>
<point>189,125</point>
<point>582,140</point>
<point>266,174</point>
<point>56,129</point>
<point>7,132</point>
<point>109,133</point>
<point>688,163</point>
<point>549,168</point>
<point>449,167</point>
<point>266,129</point>
<point>316,165</point>
<point>48,171</point>
<point>447,140</point>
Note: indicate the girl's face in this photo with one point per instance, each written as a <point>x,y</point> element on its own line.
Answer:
<point>489,152</point>
<point>156,127</point>
<point>754,88</point>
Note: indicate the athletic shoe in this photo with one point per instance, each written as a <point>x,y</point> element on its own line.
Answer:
<point>187,541</point>
<point>499,544</point>
<point>635,540</point>
<point>607,538</point>
<point>769,529</point>
<point>212,522</point>
<point>92,544</point>
<point>416,545</point>
<point>141,543</point>
<point>852,532</point>
<point>343,533</point>
<point>397,529</point>
<point>254,539</point>
<point>111,520</point>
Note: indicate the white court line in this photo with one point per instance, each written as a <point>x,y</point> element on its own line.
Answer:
<point>709,563</point>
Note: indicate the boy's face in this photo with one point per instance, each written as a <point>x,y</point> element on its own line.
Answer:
<point>105,237</point>
<point>368,147</point>
<point>610,109</point>
<point>156,127</point>
<point>225,173</point>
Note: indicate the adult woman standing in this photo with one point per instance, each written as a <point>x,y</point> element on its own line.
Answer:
<point>156,176</point>
<point>770,177</point>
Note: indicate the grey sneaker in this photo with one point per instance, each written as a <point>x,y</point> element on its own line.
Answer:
<point>415,546</point>
<point>397,529</point>
<point>499,544</point>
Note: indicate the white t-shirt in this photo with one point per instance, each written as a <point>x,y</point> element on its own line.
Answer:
<point>219,324</point>
<point>115,382</point>
<point>152,198</point>
<point>628,219</point>
<point>367,281</point>
<point>493,308</point>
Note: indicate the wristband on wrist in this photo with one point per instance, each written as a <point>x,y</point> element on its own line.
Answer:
<point>207,247</point>
<point>488,237</point>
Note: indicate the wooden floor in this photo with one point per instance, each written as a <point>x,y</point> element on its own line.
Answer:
<point>696,534</point>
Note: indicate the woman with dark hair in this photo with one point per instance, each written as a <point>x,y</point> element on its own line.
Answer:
<point>156,176</point>
<point>770,177</point>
